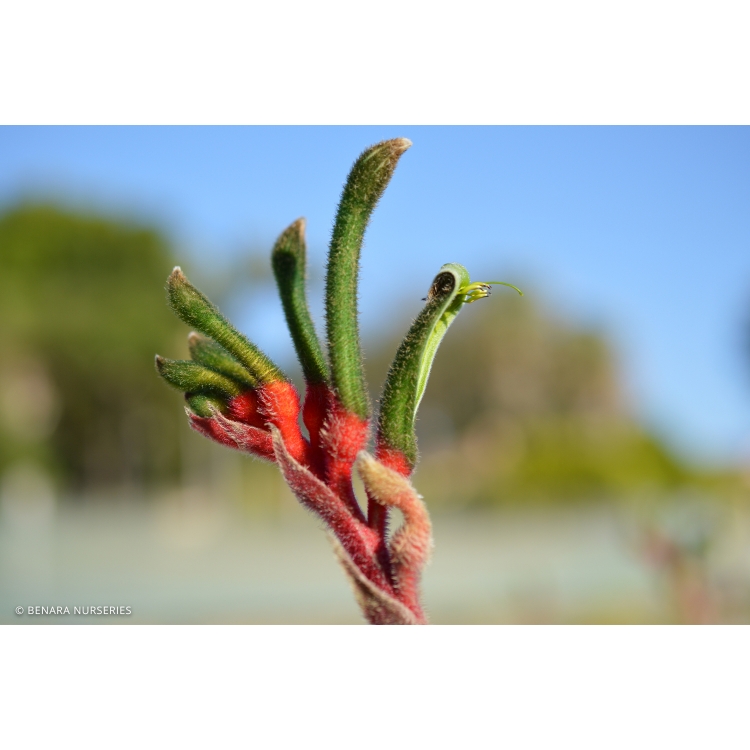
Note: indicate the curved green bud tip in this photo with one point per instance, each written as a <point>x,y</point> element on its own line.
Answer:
<point>291,241</point>
<point>195,309</point>
<point>467,292</point>
<point>289,260</point>
<point>407,379</point>
<point>378,162</point>
<point>190,377</point>
<point>191,306</point>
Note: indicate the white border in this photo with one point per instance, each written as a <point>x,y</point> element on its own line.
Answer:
<point>399,61</point>
<point>367,687</point>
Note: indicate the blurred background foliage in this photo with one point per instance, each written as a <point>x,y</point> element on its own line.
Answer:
<point>521,407</point>
<point>83,312</point>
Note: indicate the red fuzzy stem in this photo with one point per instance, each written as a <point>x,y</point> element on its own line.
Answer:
<point>318,396</point>
<point>408,590</point>
<point>236,435</point>
<point>245,408</point>
<point>356,538</point>
<point>279,404</point>
<point>343,437</point>
<point>410,546</point>
<point>210,428</point>
<point>377,520</point>
<point>393,459</point>
<point>377,515</point>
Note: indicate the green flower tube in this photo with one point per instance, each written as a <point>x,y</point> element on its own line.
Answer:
<point>407,378</point>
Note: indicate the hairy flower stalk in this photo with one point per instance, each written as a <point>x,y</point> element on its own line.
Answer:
<point>407,377</point>
<point>238,397</point>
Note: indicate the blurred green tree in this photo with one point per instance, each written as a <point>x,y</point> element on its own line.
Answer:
<point>82,310</point>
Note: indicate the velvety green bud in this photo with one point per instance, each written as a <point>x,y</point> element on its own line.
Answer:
<point>407,377</point>
<point>405,384</point>
<point>217,358</point>
<point>366,182</point>
<point>191,377</point>
<point>202,405</point>
<point>289,267</point>
<point>198,311</point>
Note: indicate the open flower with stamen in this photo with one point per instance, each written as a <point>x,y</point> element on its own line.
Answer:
<point>481,289</point>
<point>238,397</point>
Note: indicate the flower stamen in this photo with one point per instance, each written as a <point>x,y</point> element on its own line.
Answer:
<point>480,289</point>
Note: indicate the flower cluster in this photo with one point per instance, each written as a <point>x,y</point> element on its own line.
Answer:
<point>238,397</point>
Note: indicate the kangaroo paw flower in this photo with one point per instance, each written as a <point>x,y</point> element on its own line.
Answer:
<point>237,396</point>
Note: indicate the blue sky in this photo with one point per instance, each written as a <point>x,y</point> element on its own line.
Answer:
<point>643,232</point>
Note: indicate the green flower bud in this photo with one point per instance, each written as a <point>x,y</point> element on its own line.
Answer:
<point>366,182</point>
<point>198,311</point>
